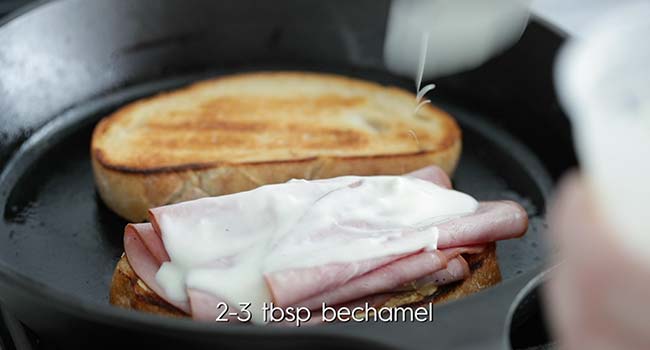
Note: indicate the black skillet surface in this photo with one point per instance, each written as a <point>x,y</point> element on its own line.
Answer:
<point>72,62</point>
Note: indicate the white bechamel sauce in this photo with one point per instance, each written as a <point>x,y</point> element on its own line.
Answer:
<point>226,247</point>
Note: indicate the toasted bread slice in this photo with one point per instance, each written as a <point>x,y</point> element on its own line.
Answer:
<point>128,291</point>
<point>238,132</point>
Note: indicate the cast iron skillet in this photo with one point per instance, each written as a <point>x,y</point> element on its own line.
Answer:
<point>65,64</point>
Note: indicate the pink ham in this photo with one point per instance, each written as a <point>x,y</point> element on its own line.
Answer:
<point>422,268</point>
<point>143,260</point>
<point>432,174</point>
<point>451,253</point>
<point>342,282</point>
<point>316,279</point>
<point>491,222</point>
<point>151,239</point>
<point>207,307</point>
<point>456,270</point>
<point>383,279</point>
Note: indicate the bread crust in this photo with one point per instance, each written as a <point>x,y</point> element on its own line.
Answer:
<point>131,188</point>
<point>128,291</point>
<point>130,195</point>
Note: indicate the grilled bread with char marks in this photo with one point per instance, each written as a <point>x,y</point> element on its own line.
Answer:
<point>238,132</point>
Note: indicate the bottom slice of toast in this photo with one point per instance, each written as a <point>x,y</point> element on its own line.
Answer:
<point>129,291</point>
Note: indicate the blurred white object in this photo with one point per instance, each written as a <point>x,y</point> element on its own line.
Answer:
<point>574,16</point>
<point>604,83</point>
<point>462,33</point>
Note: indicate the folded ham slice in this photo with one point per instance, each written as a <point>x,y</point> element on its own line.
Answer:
<point>457,269</point>
<point>339,282</point>
<point>143,258</point>
<point>380,280</point>
<point>314,280</point>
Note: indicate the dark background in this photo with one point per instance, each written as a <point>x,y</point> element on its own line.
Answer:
<point>7,6</point>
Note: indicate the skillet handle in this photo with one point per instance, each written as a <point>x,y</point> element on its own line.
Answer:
<point>479,321</point>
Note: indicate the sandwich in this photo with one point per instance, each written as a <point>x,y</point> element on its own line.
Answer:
<point>382,241</point>
<point>205,174</point>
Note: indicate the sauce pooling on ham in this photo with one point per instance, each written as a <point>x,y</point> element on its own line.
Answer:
<point>229,245</point>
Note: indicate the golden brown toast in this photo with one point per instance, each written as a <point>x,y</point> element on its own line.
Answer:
<point>128,291</point>
<point>238,132</point>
